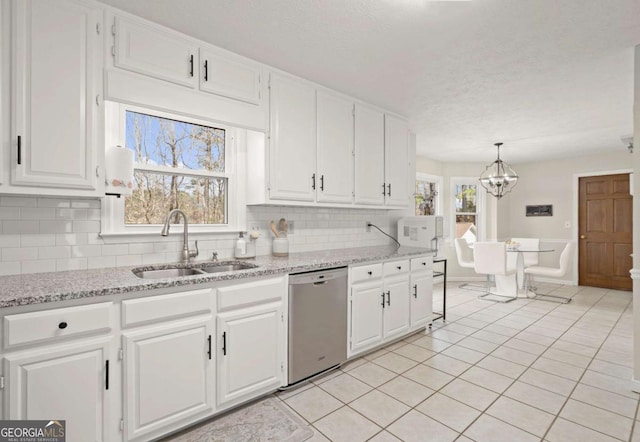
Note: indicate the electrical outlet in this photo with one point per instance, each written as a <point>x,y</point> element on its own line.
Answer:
<point>368,226</point>
<point>291,225</point>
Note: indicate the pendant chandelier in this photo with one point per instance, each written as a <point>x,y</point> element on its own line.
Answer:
<point>498,178</point>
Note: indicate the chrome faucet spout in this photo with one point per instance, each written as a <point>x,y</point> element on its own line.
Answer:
<point>186,253</point>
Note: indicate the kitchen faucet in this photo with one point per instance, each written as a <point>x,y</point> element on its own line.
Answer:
<point>186,253</point>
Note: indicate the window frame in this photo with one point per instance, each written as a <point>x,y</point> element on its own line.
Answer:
<point>480,213</point>
<point>113,207</point>
<point>421,176</point>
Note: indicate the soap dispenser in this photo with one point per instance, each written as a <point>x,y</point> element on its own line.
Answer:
<point>241,247</point>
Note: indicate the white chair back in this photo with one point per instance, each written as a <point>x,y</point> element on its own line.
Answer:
<point>490,258</point>
<point>565,258</point>
<point>530,259</point>
<point>554,272</point>
<point>464,253</point>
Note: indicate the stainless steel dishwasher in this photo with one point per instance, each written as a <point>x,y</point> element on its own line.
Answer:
<point>317,322</point>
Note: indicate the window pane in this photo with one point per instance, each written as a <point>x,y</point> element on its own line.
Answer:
<point>160,141</point>
<point>425,196</point>
<point>465,197</point>
<point>466,227</point>
<point>204,200</point>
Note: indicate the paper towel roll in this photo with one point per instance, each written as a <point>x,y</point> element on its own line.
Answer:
<point>119,170</point>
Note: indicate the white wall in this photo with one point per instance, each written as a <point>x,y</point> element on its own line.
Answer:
<point>635,272</point>
<point>543,182</point>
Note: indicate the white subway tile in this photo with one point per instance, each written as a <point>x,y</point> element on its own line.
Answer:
<point>165,246</point>
<point>20,227</point>
<point>19,253</point>
<point>71,239</point>
<point>128,260</point>
<point>39,240</point>
<point>53,202</point>
<point>115,249</point>
<point>10,240</point>
<point>36,213</point>
<point>10,213</point>
<point>94,238</point>
<point>17,201</point>
<point>93,214</point>
<point>54,252</point>
<point>101,262</point>
<point>86,226</point>
<point>140,248</point>
<point>85,204</point>
<point>154,258</point>
<point>73,214</point>
<point>84,251</point>
<point>39,266</point>
<point>56,226</point>
<point>71,264</point>
<point>10,268</point>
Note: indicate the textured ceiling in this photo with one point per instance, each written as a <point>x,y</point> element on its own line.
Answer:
<point>549,78</point>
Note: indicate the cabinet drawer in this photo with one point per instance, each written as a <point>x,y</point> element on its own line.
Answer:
<point>365,273</point>
<point>163,307</point>
<point>424,263</point>
<point>55,324</point>
<point>250,293</point>
<point>395,267</point>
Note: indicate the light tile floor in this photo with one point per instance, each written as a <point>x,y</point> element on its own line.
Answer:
<point>526,370</point>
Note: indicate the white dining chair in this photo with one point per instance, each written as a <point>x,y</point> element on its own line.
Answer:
<point>553,272</point>
<point>464,253</point>
<point>490,258</point>
<point>530,259</point>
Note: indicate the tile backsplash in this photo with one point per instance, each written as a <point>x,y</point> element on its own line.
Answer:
<point>41,234</point>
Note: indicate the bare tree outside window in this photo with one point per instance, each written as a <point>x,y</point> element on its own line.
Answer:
<point>425,197</point>
<point>466,209</point>
<point>176,164</point>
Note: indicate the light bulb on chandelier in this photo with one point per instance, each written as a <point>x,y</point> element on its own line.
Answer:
<point>498,178</point>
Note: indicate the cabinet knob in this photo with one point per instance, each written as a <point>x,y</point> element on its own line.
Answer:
<point>399,267</point>
<point>424,263</point>
<point>62,325</point>
<point>369,273</point>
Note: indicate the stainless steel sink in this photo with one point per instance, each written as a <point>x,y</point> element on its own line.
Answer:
<point>227,267</point>
<point>197,269</point>
<point>166,273</point>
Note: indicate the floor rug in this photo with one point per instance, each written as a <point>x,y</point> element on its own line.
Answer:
<point>265,420</point>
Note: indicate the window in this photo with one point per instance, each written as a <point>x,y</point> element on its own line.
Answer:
<point>427,194</point>
<point>468,209</point>
<point>179,163</point>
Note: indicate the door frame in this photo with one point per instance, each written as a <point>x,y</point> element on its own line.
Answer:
<point>576,197</point>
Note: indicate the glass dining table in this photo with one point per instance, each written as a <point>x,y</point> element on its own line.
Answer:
<point>520,251</point>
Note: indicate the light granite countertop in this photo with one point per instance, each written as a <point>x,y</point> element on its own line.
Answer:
<point>39,288</point>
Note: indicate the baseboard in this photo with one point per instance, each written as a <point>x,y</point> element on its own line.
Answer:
<point>555,281</point>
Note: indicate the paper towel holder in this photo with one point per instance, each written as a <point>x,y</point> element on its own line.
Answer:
<point>118,171</point>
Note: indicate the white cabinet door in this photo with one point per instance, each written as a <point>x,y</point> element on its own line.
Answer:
<point>66,382</point>
<point>366,316</point>
<point>157,52</point>
<point>229,76</point>
<point>335,148</point>
<point>250,352</point>
<point>292,174</point>
<point>421,299</point>
<point>397,306</point>
<point>168,376</point>
<point>396,154</point>
<point>369,156</point>
<point>56,79</point>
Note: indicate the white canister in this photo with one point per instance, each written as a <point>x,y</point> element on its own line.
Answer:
<point>280,247</point>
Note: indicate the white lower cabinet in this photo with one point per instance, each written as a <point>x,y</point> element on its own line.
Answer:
<point>382,305</point>
<point>168,375</point>
<point>250,356</point>
<point>65,382</point>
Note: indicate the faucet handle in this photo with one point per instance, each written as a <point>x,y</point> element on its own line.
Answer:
<point>194,253</point>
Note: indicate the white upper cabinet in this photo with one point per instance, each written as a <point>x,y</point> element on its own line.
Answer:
<point>56,107</point>
<point>156,52</point>
<point>335,148</point>
<point>369,156</point>
<point>292,172</point>
<point>396,154</point>
<point>229,76</point>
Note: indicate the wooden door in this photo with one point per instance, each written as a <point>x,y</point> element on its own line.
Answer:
<point>605,220</point>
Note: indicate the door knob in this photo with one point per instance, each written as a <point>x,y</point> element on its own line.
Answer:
<point>582,237</point>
